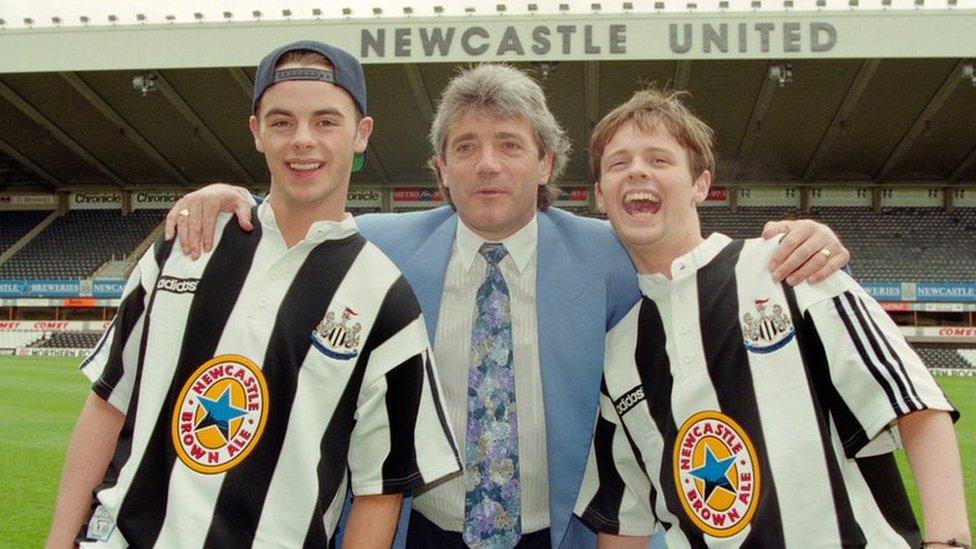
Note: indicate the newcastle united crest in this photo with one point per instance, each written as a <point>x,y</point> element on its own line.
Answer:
<point>767,328</point>
<point>338,338</point>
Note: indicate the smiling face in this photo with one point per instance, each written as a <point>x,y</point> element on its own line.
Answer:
<point>309,132</point>
<point>649,193</point>
<point>493,168</point>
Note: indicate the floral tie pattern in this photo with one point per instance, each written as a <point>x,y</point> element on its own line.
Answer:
<point>492,504</point>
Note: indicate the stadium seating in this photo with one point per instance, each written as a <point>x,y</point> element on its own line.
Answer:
<point>897,244</point>
<point>16,224</point>
<point>946,357</point>
<point>69,340</point>
<point>76,244</point>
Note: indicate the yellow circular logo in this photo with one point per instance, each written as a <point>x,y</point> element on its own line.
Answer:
<point>716,473</point>
<point>220,414</point>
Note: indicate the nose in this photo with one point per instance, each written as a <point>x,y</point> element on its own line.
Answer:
<point>301,139</point>
<point>488,161</point>
<point>638,169</point>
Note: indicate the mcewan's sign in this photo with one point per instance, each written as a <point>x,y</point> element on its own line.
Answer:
<point>485,40</point>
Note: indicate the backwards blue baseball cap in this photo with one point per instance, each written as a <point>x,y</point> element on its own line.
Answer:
<point>346,73</point>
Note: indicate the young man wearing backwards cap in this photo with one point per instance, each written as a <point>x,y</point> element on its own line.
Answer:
<point>246,393</point>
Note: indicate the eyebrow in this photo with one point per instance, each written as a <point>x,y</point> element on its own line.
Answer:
<point>510,135</point>
<point>642,151</point>
<point>497,135</point>
<point>321,112</point>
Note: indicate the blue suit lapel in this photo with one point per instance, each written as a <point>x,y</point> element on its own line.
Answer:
<point>571,319</point>
<point>425,271</point>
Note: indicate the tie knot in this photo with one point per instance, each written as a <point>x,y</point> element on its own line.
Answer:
<point>493,253</point>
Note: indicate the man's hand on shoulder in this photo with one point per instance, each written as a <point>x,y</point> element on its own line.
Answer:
<point>809,251</point>
<point>194,217</point>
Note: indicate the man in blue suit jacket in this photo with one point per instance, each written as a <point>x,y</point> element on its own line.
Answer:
<point>497,153</point>
<point>585,284</point>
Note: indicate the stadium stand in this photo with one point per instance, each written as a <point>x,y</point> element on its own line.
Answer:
<point>947,357</point>
<point>16,224</point>
<point>76,244</point>
<point>69,340</point>
<point>897,244</point>
<point>16,339</point>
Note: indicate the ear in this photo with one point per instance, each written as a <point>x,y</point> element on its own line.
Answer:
<point>550,160</point>
<point>252,123</point>
<point>598,194</point>
<point>441,166</point>
<point>702,184</point>
<point>363,130</point>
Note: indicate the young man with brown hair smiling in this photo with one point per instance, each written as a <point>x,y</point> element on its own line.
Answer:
<point>737,411</point>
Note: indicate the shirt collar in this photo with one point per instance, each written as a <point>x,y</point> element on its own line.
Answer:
<point>654,285</point>
<point>319,231</point>
<point>520,246</point>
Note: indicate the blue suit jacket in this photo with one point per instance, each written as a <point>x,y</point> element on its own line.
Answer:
<point>586,283</point>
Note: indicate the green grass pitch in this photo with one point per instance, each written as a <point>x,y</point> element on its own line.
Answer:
<point>42,397</point>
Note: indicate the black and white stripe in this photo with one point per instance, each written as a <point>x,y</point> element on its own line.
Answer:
<point>809,403</point>
<point>371,424</point>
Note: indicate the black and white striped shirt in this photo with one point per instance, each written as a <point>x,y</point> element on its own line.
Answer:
<point>259,384</point>
<point>737,411</point>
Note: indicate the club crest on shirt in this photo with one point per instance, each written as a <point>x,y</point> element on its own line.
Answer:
<point>766,329</point>
<point>220,414</point>
<point>716,473</point>
<point>338,336</point>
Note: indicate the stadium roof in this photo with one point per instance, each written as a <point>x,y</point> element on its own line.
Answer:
<point>796,95</point>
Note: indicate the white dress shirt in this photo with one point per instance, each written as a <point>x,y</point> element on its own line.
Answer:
<point>444,503</point>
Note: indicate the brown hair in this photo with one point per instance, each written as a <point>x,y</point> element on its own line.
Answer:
<point>303,58</point>
<point>648,108</point>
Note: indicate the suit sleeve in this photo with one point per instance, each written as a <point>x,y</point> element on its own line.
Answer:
<point>401,439</point>
<point>615,495</point>
<point>875,374</point>
<point>621,284</point>
<point>111,365</point>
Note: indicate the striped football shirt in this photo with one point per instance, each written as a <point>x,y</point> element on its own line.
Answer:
<point>736,411</point>
<point>260,384</point>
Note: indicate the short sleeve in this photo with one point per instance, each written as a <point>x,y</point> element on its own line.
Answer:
<point>401,439</point>
<point>615,495</point>
<point>874,372</point>
<point>112,364</point>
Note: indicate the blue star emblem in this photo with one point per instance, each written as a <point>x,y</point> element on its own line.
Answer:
<point>713,473</point>
<point>220,412</point>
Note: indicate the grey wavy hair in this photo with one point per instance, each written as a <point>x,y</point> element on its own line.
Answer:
<point>505,92</point>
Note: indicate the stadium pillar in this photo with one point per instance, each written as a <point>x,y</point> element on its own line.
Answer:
<point>386,199</point>
<point>64,198</point>
<point>734,199</point>
<point>126,202</point>
<point>804,200</point>
<point>876,199</point>
<point>947,199</point>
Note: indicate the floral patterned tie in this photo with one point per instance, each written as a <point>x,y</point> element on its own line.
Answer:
<point>492,504</point>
